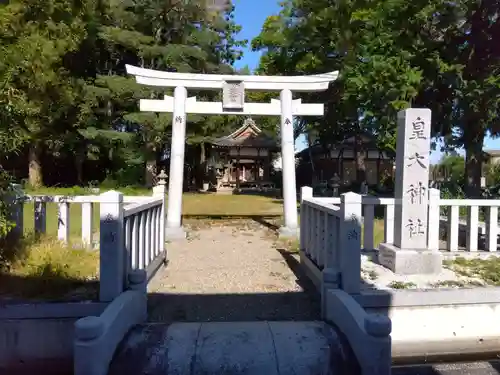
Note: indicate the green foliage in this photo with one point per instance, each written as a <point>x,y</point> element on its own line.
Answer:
<point>6,194</point>
<point>392,55</point>
<point>492,174</point>
<point>452,166</point>
<point>64,88</point>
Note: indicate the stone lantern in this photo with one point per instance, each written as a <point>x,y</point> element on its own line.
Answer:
<point>335,182</point>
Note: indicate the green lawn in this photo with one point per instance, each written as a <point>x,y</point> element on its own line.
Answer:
<point>194,205</point>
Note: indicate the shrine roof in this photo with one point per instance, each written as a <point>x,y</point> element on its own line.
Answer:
<point>248,135</point>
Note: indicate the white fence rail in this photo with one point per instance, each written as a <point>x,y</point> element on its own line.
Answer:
<point>330,235</point>
<point>131,231</point>
<point>471,228</point>
<point>369,204</point>
<point>145,234</point>
<point>445,232</point>
<point>132,237</point>
<point>88,203</point>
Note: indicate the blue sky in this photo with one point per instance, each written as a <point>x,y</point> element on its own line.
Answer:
<point>251,14</point>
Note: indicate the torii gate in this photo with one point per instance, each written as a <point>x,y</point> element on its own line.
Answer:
<point>233,87</point>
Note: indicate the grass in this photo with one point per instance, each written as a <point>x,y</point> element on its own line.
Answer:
<point>456,284</point>
<point>45,269</point>
<point>210,205</point>
<point>402,285</point>
<point>378,233</point>
<point>488,270</point>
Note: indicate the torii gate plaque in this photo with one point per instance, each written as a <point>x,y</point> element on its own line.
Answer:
<point>233,103</point>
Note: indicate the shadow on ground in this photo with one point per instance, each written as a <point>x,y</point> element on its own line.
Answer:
<point>46,287</point>
<point>291,306</point>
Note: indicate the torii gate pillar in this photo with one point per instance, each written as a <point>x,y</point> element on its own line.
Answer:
<point>288,166</point>
<point>233,103</point>
<point>174,230</point>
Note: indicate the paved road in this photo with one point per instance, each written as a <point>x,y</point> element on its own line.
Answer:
<point>233,348</point>
<point>470,368</point>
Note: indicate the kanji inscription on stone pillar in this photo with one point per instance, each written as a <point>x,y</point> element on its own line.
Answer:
<point>412,179</point>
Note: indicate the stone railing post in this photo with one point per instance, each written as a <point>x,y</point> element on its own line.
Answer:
<point>86,361</point>
<point>87,224</point>
<point>378,360</point>
<point>40,208</point>
<point>350,242</point>
<point>433,220</point>
<point>305,192</point>
<point>15,204</point>
<point>330,280</point>
<point>112,246</point>
<point>160,190</point>
<point>138,281</point>
<point>63,221</point>
<point>389,223</point>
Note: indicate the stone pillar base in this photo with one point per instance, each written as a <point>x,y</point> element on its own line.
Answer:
<point>288,233</point>
<point>175,234</point>
<point>410,262</point>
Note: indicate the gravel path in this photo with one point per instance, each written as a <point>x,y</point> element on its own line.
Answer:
<point>230,273</point>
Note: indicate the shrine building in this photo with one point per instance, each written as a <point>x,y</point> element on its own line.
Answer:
<point>242,157</point>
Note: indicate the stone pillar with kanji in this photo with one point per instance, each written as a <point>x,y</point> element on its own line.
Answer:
<point>410,254</point>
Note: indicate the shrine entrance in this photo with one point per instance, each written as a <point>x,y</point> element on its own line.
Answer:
<point>233,88</point>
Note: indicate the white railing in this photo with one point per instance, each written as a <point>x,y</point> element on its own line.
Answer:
<point>144,236</point>
<point>132,237</point>
<point>330,236</point>
<point>471,229</point>
<point>369,204</point>
<point>131,231</point>
<point>89,203</point>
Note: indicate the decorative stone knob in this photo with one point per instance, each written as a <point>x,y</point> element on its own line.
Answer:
<point>88,328</point>
<point>136,277</point>
<point>377,325</point>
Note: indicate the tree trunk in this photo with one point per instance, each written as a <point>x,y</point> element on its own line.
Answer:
<point>202,174</point>
<point>35,171</point>
<point>473,144</point>
<point>79,160</point>
<point>359,158</point>
<point>311,160</point>
<point>150,176</point>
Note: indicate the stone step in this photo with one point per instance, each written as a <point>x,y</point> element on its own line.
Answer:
<point>260,348</point>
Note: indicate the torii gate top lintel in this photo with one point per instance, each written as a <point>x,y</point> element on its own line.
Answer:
<point>311,83</point>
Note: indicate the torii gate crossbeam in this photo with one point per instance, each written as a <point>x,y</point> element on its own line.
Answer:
<point>233,103</point>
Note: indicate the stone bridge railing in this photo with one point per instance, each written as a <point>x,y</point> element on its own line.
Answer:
<point>330,250</point>
<point>447,229</point>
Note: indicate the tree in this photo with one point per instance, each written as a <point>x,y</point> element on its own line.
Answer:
<point>463,81</point>
<point>310,37</point>
<point>394,54</point>
<point>35,39</point>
